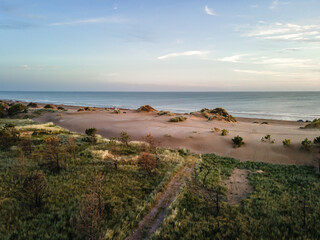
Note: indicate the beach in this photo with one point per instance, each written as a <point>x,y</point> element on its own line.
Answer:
<point>197,133</point>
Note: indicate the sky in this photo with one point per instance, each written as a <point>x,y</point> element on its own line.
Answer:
<point>167,45</point>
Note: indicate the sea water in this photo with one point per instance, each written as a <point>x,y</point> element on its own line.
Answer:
<point>268,105</point>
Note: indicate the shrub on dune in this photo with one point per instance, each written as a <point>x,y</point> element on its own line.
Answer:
<point>286,142</point>
<point>217,114</point>
<point>17,108</point>
<point>167,113</point>
<point>306,144</point>
<point>52,106</point>
<point>146,108</point>
<point>224,132</point>
<point>314,124</point>
<point>237,141</point>
<point>178,119</point>
<point>32,105</point>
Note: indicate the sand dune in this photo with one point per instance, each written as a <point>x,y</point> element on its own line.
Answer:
<point>195,134</point>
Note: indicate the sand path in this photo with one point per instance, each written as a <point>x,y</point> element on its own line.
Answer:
<point>153,220</point>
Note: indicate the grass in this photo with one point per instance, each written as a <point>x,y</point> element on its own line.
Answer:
<point>178,119</point>
<point>128,192</point>
<point>281,196</point>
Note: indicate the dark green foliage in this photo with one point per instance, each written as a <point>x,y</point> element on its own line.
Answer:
<point>306,144</point>
<point>91,132</point>
<point>51,106</point>
<point>317,140</point>
<point>224,132</point>
<point>286,142</point>
<point>124,138</point>
<point>9,136</point>
<point>33,105</point>
<point>314,124</point>
<point>178,119</point>
<point>284,204</point>
<point>17,108</point>
<point>237,141</point>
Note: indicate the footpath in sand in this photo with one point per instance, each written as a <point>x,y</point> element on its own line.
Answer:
<point>153,220</point>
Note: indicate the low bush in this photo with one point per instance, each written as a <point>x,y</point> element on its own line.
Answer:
<point>17,108</point>
<point>306,144</point>
<point>264,123</point>
<point>267,138</point>
<point>81,110</point>
<point>167,113</point>
<point>238,141</point>
<point>178,119</point>
<point>317,140</point>
<point>32,105</point>
<point>9,136</point>
<point>61,108</point>
<point>286,142</point>
<point>51,106</point>
<point>224,132</point>
<point>314,124</point>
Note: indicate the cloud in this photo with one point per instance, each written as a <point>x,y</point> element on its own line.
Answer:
<point>187,53</point>
<point>257,72</point>
<point>90,20</point>
<point>232,59</point>
<point>286,32</point>
<point>209,11</point>
<point>276,3</point>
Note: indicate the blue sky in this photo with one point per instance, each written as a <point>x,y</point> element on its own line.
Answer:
<point>101,45</point>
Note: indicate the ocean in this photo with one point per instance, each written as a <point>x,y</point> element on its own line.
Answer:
<point>268,105</point>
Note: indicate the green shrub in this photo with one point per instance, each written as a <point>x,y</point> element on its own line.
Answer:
<point>50,106</point>
<point>61,108</point>
<point>167,113</point>
<point>286,142</point>
<point>306,144</point>
<point>314,124</point>
<point>17,108</point>
<point>237,141</point>
<point>91,132</point>
<point>317,140</point>
<point>264,123</point>
<point>224,132</point>
<point>9,136</point>
<point>124,138</point>
<point>33,105</point>
<point>178,119</point>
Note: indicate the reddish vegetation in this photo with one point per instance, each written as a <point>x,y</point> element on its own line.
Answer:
<point>146,108</point>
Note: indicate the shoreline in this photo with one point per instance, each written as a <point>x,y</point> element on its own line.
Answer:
<point>76,107</point>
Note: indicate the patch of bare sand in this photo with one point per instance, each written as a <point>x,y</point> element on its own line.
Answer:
<point>182,135</point>
<point>238,186</point>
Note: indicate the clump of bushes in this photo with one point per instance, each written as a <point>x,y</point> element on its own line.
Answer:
<point>17,108</point>
<point>9,136</point>
<point>237,141</point>
<point>117,111</point>
<point>264,123</point>
<point>61,108</point>
<point>267,138</point>
<point>147,162</point>
<point>224,132</point>
<point>286,142</point>
<point>81,110</point>
<point>146,108</point>
<point>178,119</point>
<point>91,132</point>
<point>32,105</point>
<point>51,106</point>
<point>306,144</point>
<point>317,141</point>
<point>217,114</point>
<point>167,113</point>
<point>3,109</point>
<point>314,124</point>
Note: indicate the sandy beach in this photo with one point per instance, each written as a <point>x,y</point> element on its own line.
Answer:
<point>196,133</point>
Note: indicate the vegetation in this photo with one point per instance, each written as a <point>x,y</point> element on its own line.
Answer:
<point>91,132</point>
<point>32,105</point>
<point>167,113</point>
<point>51,106</point>
<point>314,124</point>
<point>224,132</point>
<point>56,185</point>
<point>267,138</point>
<point>17,108</point>
<point>217,114</point>
<point>178,119</point>
<point>317,141</point>
<point>284,203</point>
<point>237,141</point>
<point>306,144</point>
<point>264,123</point>
<point>286,142</point>
<point>146,108</point>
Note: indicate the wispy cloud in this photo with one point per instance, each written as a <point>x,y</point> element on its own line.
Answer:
<point>286,32</point>
<point>232,59</point>
<point>16,25</point>
<point>276,3</point>
<point>209,11</point>
<point>91,20</point>
<point>187,53</point>
<point>257,72</point>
